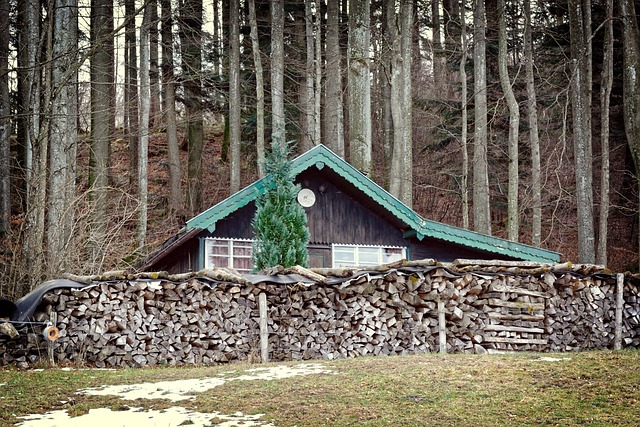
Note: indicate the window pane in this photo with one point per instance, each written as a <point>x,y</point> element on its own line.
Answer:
<point>368,256</point>
<point>218,247</point>
<point>239,250</point>
<point>242,264</point>
<point>219,253</point>
<point>391,254</point>
<point>350,256</point>
<point>343,256</point>
<point>220,262</point>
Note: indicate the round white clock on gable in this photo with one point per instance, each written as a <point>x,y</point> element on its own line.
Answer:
<point>306,197</point>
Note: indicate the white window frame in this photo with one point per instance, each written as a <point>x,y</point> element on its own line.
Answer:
<point>343,248</point>
<point>210,242</point>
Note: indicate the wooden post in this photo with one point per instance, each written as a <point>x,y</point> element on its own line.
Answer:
<point>264,329</point>
<point>442,327</point>
<point>617,340</point>
<point>53,318</point>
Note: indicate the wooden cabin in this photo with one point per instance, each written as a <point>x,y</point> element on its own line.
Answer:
<point>352,222</point>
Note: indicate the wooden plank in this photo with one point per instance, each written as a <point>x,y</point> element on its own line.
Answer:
<point>442,327</point>
<point>50,344</point>
<point>518,291</point>
<point>515,340</point>
<point>617,340</point>
<point>513,329</point>
<point>500,316</point>
<point>515,304</point>
<point>264,329</point>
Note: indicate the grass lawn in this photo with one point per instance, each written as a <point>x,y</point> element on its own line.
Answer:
<point>590,388</point>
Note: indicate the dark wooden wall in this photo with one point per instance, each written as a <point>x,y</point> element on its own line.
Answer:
<point>182,260</point>
<point>446,251</point>
<point>336,217</point>
<point>341,214</point>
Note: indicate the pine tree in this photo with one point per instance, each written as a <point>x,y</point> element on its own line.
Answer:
<point>280,223</point>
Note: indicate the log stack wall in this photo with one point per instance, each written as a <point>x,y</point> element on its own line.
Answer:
<point>132,322</point>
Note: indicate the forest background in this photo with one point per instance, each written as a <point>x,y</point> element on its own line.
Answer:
<point>121,119</point>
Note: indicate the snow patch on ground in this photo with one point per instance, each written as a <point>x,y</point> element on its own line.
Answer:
<point>552,359</point>
<point>184,389</point>
<point>136,417</point>
<point>173,390</point>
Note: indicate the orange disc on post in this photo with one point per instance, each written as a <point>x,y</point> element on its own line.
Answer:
<point>51,333</point>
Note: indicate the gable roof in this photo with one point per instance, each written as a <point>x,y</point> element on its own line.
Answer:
<point>321,157</point>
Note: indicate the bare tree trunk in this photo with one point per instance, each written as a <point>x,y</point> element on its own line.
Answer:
<point>393,77</point>
<point>385,66</point>
<point>277,72</point>
<point>29,82</point>
<point>257,63</point>
<point>143,151</point>
<point>631,79</point>
<point>175,171</point>
<point>359,86</point>
<point>605,102</point>
<point>35,140</point>
<point>191,45</point>
<point>514,125</point>
<point>308,93</point>
<point>317,107</point>
<point>465,122</point>
<point>580,100</point>
<point>131,91</point>
<point>218,40</point>
<point>334,119</point>
<point>481,202</point>
<point>63,134</point>
<point>235,131</point>
<point>532,113</point>
<point>5,123</point>
<point>400,181</point>
<point>101,78</point>
<point>154,75</point>
<point>28,34</point>
<point>439,59</point>
<point>406,154</point>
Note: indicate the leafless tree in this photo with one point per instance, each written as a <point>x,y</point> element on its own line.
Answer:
<point>534,139</point>
<point>481,202</point>
<point>101,119</point>
<point>176,199</point>
<point>257,63</point>
<point>580,107</point>
<point>359,85</point>
<point>513,219</point>
<point>235,129</point>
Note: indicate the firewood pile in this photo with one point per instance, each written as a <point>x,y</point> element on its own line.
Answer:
<point>466,306</point>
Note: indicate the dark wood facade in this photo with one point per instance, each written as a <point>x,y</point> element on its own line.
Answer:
<point>342,214</point>
<point>349,209</point>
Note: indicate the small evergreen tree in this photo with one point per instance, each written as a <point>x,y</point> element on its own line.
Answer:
<point>280,223</point>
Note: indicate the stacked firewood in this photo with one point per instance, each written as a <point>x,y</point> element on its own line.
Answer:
<point>581,313</point>
<point>368,316</point>
<point>155,322</point>
<point>194,319</point>
<point>631,316</point>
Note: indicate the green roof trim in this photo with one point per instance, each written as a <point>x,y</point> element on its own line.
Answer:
<point>321,157</point>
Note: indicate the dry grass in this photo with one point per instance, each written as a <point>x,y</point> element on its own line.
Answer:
<point>591,388</point>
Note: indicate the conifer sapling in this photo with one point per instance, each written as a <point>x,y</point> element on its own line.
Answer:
<point>280,223</point>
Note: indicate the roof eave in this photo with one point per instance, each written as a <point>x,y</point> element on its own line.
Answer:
<point>489,243</point>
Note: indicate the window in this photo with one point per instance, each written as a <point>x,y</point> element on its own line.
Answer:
<point>362,256</point>
<point>229,253</point>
